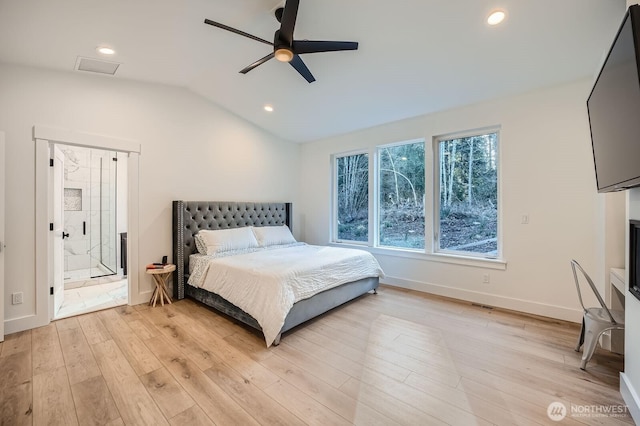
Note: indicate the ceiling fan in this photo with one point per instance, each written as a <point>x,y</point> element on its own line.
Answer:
<point>285,48</point>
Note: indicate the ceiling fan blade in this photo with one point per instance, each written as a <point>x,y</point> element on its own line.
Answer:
<point>288,22</point>
<point>233,30</point>
<point>256,63</point>
<point>297,63</point>
<point>313,46</point>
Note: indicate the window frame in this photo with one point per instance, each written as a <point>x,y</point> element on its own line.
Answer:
<point>431,205</point>
<point>334,198</point>
<point>377,208</point>
<point>436,193</point>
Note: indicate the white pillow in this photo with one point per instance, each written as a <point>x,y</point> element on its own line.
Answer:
<point>226,239</point>
<point>273,235</point>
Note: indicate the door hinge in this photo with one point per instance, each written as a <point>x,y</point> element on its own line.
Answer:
<point>51,291</point>
<point>51,227</point>
<point>50,162</point>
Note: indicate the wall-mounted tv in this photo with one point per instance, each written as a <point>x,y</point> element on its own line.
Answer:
<point>614,110</point>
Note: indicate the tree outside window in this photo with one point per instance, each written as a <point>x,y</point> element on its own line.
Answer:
<point>468,194</point>
<point>352,183</point>
<point>464,196</point>
<point>401,195</point>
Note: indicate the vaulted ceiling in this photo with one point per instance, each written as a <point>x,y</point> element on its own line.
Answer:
<point>415,56</point>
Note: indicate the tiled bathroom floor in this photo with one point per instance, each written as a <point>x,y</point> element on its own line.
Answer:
<point>83,274</point>
<point>93,298</point>
<point>86,282</point>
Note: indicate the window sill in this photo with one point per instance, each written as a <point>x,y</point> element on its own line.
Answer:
<point>478,262</point>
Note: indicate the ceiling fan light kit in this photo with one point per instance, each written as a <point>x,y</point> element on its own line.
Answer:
<point>284,55</point>
<point>285,48</point>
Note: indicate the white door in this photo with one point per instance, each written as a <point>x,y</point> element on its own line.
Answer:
<point>58,235</point>
<point>2,247</point>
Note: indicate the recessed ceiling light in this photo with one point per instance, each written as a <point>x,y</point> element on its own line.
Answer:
<point>496,17</point>
<point>268,108</point>
<point>106,50</point>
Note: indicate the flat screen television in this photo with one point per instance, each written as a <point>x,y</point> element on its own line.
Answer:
<point>614,110</point>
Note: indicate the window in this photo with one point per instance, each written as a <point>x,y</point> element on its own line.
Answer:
<point>352,184</point>
<point>439,198</point>
<point>401,195</point>
<point>467,213</point>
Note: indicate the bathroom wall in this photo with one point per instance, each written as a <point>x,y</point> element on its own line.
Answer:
<point>90,198</point>
<point>77,178</point>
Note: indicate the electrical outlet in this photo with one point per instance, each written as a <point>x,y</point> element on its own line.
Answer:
<point>16,298</point>
<point>485,279</point>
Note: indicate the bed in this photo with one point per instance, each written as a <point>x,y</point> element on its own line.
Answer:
<point>190,217</point>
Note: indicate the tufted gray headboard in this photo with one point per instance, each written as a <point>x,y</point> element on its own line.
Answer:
<point>189,217</point>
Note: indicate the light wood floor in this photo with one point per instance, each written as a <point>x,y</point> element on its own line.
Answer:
<point>396,358</point>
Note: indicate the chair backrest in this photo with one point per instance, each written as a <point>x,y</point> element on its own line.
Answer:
<point>574,265</point>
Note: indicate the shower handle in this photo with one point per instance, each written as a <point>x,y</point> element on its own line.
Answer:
<point>65,235</point>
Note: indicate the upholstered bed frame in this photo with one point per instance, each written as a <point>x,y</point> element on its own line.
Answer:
<point>189,217</point>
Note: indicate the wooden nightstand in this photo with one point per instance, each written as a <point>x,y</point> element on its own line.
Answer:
<point>160,278</point>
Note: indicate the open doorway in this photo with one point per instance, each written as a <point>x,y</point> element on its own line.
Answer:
<point>90,206</point>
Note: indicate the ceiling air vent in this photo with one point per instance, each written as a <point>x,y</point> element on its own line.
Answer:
<point>96,65</point>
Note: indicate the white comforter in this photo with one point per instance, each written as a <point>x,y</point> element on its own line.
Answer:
<point>266,283</point>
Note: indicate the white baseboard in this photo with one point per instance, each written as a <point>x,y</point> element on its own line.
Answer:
<point>143,297</point>
<point>630,397</point>
<point>536,308</point>
<point>552,311</point>
<point>28,322</point>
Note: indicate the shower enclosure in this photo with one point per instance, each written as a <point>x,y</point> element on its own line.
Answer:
<point>90,212</point>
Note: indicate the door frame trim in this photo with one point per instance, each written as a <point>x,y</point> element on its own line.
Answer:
<point>44,137</point>
<point>52,236</point>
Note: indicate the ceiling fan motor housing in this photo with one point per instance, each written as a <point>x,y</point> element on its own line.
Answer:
<point>278,13</point>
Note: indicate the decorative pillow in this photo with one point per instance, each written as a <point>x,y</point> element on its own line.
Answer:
<point>227,239</point>
<point>200,244</point>
<point>273,235</point>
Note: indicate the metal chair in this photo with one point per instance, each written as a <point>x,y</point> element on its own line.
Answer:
<point>595,321</point>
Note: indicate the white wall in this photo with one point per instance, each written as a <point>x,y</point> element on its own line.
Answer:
<point>546,172</point>
<point>630,379</point>
<point>191,150</point>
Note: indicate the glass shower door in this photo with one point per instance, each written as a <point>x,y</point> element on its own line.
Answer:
<point>103,213</point>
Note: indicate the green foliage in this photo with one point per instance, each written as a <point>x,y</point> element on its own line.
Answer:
<point>402,185</point>
<point>402,225</point>
<point>353,196</point>
<point>468,169</point>
<point>468,194</point>
<point>469,228</point>
<point>356,230</point>
<point>402,173</point>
